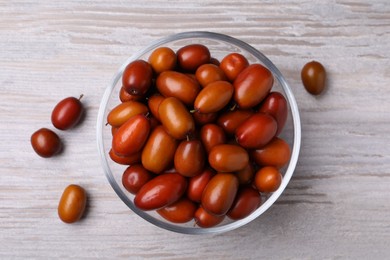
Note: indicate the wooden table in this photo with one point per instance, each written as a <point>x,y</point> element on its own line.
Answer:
<point>337,204</point>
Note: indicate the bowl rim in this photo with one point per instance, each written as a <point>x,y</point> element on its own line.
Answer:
<point>295,120</point>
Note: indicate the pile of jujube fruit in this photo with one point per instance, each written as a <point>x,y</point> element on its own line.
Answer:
<point>46,143</point>
<point>200,135</point>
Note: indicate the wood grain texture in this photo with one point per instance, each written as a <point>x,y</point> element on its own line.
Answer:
<point>337,203</point>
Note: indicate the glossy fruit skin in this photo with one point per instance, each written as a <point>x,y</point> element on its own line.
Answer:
<point>275,104</point>
<point>247,201</point>
<point>72,203</point>
<point>159,150</point>
<point>124,111</point>
<point>137,77</point>
<point>256,131</point>
<point>134,177</point>
<point>131,136</point>
<point>160,191</point>
<point>231,120</point>
<point>180,211</point>
<point>67,113</point>
<point>313,77</point>
<point>191,56</point>
<point>252,85</point>
<point>206,220</point>
<point>45,143</point>
<point>267,179</point>
<point>212,135</point>
<point>233,64</point>
<point>176,118</point>
<point>214,97</point>
<point>276,153</point>
<point>219,194</point>
<point>124,96</point>
<point>202,119</point>
<point>154,103</point>
<point>208,73</point>
<point>162,59</point>
<point>125,160</point>
<point>228,158</point>
<point>189,158</point>
<point>198,183</point>
<point>179,85</point>
<point>246,175</point>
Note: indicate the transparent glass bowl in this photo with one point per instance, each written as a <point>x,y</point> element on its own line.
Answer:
<point>220,45</point>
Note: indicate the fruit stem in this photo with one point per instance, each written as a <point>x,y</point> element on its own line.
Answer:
<point>233,107</point>
<point>195,223</point>
<point>81,96</point>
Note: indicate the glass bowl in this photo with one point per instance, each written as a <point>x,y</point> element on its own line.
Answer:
<point>219,46</point>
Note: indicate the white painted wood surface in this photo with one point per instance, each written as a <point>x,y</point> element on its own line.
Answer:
<point>337,205</point>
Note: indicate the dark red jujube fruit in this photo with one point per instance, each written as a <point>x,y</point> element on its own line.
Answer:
<point>161,191</point>
<point>67,113</point>
<point>137,77</point>
<point>45,142</point>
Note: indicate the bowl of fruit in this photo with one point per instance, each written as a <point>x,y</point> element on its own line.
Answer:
<point>198,133</point>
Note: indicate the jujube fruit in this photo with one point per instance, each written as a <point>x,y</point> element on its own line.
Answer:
<point>72,203</point>
<point>191,56</point>
<point>252,85</point>
<point>313,77</point>
<point>219,194</point>
<point>46,143</point>
<point>67,113</point>
<point>161,191</point>
<point>137,77</point>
